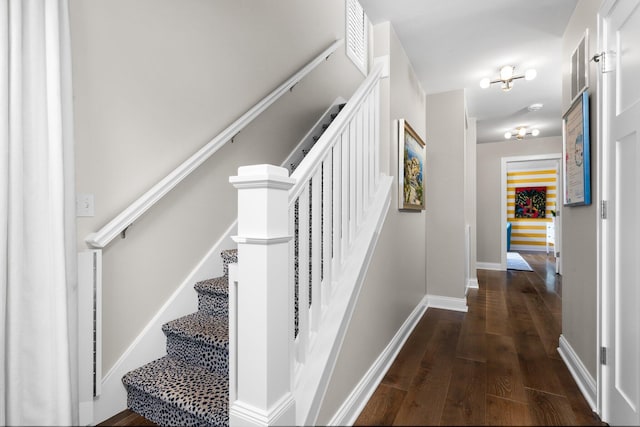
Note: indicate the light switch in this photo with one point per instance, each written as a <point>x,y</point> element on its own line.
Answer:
<point>84,205</point>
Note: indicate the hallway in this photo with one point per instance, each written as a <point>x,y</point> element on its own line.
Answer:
<point>495,365</point>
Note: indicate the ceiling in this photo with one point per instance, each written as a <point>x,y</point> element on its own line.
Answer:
<point>453,44</point>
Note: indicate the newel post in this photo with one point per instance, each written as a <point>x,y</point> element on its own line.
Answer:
<point>263,359</point>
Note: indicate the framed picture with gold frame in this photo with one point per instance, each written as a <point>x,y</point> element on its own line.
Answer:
<point>411,168</point>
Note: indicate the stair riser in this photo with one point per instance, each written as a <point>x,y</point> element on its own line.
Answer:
<point>210,357</point>
<point>164,413</point>
<point>215,304</point>
<point>228,258</point>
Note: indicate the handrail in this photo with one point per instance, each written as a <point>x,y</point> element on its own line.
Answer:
<point>121,222</point>
<point>307,167</point>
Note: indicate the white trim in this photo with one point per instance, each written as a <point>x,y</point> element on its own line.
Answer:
<point>150,344</point>
<point>472,283</point>
<point>113,228</point>
<point>579,372</point>
<point>491,265</point>
<point>447,303</point>
<point>282,413</point>
<point>353,405</point>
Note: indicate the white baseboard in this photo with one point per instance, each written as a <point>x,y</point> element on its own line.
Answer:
<point>472,283</point>
<point>447,303</point>
<point>489,266</point>
<point>150,344</point>
<point>357,400</point>
<point>581,375</point>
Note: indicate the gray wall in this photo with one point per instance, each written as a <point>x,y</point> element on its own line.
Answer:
<point>154,80</point>
<point>470,203</point>
<point>395,282</point>
<point>445,197</point>
<point>579,224</point>
<point>489,181</point>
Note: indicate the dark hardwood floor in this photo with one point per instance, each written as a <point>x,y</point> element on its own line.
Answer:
<point>497,364</point>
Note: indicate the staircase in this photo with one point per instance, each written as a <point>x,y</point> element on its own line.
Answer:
<point>190,385</point>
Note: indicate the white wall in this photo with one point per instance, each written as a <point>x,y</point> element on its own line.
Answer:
<point>154,80</point>
<point>489,179</point>
<point>579,224</point>
<point>395,282</point>
<point>445,196</point>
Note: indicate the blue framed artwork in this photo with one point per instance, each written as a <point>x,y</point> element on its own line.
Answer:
<point>411,168</point>
<point>576,153</point>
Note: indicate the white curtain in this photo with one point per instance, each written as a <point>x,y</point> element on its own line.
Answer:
<point>38,366</point>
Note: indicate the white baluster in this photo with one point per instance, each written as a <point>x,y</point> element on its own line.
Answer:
<point>303,275</point>
<point>337,208</point>
<point>327,227</point>
<point>316,250</point>
<point>346,187</point>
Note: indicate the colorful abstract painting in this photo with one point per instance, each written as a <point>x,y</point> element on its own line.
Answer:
<point>531,202</point>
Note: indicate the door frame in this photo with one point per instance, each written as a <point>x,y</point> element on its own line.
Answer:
<point>503,200</point>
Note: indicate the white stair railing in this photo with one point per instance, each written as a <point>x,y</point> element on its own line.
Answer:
<point>90,261</point>
<point>325,219</point>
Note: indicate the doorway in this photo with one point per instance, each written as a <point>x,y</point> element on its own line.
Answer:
<point>542,174</point>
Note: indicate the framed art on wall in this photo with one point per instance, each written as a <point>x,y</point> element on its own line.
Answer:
<point>411,168</point>
<point>576,153</point>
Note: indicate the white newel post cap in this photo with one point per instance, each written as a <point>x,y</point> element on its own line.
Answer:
<point>263,200</point>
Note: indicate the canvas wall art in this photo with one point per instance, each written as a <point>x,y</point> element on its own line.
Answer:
<point>411,168</point>
<point>530,202</point>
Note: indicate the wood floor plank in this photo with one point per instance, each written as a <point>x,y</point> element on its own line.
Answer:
<point>504,378</point>
<point>547,327</point>
<point>466,402</point>
<point>497,314</point>
<point>382,407</point>
<point>548,409</point>
<point>581,409</point>
<point>425,398</point>
<point>127,418</point>
<point>505,412</point>
<point>407,363</point>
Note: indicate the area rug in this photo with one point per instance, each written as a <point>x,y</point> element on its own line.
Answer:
<point>516,262</point>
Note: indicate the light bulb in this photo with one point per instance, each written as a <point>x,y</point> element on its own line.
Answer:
<point>522,132</point>
<point>535,132</point>
<point>506,73</point>
<point>485,83</point>
<point>530,74</point>
<point>507,135</point>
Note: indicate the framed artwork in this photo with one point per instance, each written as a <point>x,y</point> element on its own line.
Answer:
<point>580,67</point>
<point>576,153</point>
<point>411,168</point>
<point>530,202</point>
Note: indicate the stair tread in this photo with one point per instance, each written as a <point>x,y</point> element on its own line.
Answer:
<point>190,388</point>
<point>201,327</point>
<point>217,285</point>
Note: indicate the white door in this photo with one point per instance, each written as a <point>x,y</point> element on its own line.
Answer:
<point>620,38</point>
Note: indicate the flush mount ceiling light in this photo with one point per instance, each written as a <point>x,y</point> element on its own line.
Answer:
<point>535,107</point>
<point>521,132</point>
<point>507,76</point>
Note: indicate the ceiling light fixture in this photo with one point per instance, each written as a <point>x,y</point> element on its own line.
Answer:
<point>535,107</point>
<point>521,132</point>
<point>507,76</point>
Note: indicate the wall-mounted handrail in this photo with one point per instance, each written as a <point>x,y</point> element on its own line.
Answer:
<point>117,225</point>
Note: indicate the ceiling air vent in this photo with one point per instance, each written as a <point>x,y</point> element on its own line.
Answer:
<point>357,45</point>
